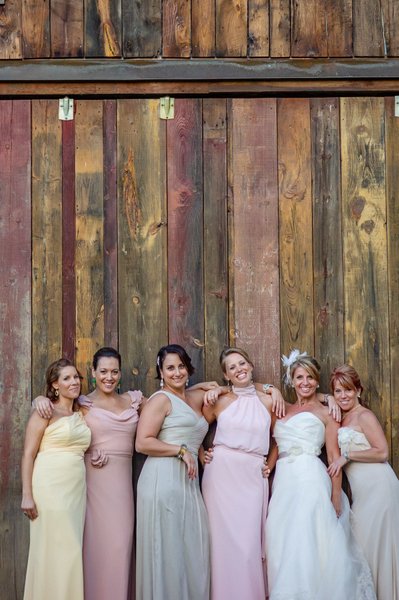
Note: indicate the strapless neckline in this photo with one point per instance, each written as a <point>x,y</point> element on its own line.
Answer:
<point>305,412</point>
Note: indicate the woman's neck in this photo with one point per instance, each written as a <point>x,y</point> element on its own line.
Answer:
<point>180,391</point>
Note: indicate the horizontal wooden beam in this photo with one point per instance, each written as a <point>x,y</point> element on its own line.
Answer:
<point>200,76</point>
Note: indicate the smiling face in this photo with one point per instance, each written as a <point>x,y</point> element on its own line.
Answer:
<point>68,383</point>
<point>238,370</point>
<point>304,383</point>
<point>346,398</point>
<point>174,372</point>
<point>107,374</point>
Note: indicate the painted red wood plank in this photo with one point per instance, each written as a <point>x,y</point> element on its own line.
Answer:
<point>185,230</point>
<point>15,333</point>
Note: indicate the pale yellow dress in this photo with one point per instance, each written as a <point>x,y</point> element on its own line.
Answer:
<point>55,569</point>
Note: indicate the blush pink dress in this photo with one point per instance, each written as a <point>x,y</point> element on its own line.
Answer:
<point>108,534</point>
<point>236,496</point>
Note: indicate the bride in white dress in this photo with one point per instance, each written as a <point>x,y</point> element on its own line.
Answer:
<point>310,552</point>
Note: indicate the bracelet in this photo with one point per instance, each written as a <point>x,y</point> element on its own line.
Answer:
<point>345,454</point>
<point>182,451</point>
<point>267,387</point>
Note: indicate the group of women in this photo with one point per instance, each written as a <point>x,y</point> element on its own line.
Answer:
<point>227,542</point>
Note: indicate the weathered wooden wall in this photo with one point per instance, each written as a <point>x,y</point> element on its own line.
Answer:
<point>270,223</point>
<point>198,28</point>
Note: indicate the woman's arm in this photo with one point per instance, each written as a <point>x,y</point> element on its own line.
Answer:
<point>33,436</point>
<point>278,403</point>
<point>332,449</point>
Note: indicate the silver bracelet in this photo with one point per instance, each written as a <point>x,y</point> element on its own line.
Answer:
<point>345,454</point>
<point>267,386</point>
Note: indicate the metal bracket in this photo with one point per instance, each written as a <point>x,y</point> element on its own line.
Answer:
<point>396,106</point>
<point>65,109</point>
<point>2,1</point>
<point>167,108</point>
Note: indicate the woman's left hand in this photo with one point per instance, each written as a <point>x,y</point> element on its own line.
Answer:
<point>265,469</point>
<point>212,395</point>
<point>278,404</point>
<point>336,466</point>
<point>29,509</point>
<point>333,409</point>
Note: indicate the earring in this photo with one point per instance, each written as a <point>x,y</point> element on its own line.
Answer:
<point>359,395</point>
<point>56,393</point>
<point>161,383</point>
<point>187,383</point>
<point>93,381</point>
<point>317,386</point>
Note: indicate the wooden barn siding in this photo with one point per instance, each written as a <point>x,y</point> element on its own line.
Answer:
<point>198,28</point>
<point>271,223</point>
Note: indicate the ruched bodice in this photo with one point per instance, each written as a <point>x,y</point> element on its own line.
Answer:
<point>68,434</point>
<point>183,425</point>
<point>350,439</point>
<point>301,434</point>
<point>244,423</point>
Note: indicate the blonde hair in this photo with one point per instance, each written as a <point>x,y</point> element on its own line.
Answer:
<point>232,350</point>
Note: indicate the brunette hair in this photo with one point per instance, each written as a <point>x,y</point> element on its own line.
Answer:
<point>173,349</point>
<point>346,376</point>
<point>53,373</point>
<point>232,350</point>
<point>106,352</point>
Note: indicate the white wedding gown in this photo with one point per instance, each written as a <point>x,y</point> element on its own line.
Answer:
<point>311,555</point>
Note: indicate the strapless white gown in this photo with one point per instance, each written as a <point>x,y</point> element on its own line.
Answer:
<point>311,554</point>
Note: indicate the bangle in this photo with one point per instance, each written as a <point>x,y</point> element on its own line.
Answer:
<point>182,451</point>
<point>267,387</point>
<point>345,454</point>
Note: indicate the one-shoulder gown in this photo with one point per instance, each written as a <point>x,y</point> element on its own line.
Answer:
<point>310,552</point>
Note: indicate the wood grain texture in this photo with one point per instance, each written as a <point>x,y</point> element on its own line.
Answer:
<point>327,240</point>
<point>110,225</point>
<point>36,28</point>
<point>390,16</point>
<point>142,28</point>
<point>258,28</point>
<point>176,28</point>
<point>67,33</point>
<point>143,298</point>
<point>365,249</point>
<point>231,28</point>
<point>254,254</point>
<point>296,236</point>
<point>203,24</point>
<point>68,240</point>
<point>103,28</point>
<point>215,233</point>
<point>280,28</point>
<point>15,334</point>
<point>89,252</point>
<point>11,30</point>
<point>185,231</point>
<point>46,239</point>
<point>308,23</point>
<point>392,193</point>
<point>368,29</point>
<point>339,28</point>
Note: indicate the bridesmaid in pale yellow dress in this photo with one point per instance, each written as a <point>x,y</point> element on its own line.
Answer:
<point>374,485</point>
<point>54,490</point>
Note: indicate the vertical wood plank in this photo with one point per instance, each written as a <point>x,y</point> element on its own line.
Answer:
<point>11,30</point>
<point>365,249</point>
<point>143,299</point>
<point>254,254</point>
<point>339,28</point>
<point>215,233</point>
<point>203,25</point>
<point>231,28</point>
<point>390,17</point>
<point>368,30</point>
<point>110,226</point>
<point>392,181</point>
<point>89,233</point>
<point>142,28</point>
<point>185,231</point>
<point>68,240</point>
<point>66,22</point>
<point>176,28</point>
<point>15,333</point>
<point>327,241</point>
<point>296,239</point>
<point>308,29</point>
<point>280,28</point>
<point>103,28</point>
<point>36,28</point>
<point>258,28</point>
<point>46,239</point>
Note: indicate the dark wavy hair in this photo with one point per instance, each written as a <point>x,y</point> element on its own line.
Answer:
<point>106,352</point>
<point>52,375</point>
<point>173,349</point>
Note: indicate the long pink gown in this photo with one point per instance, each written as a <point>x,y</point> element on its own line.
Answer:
<point>108,534</point>
<point>236,496</point>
